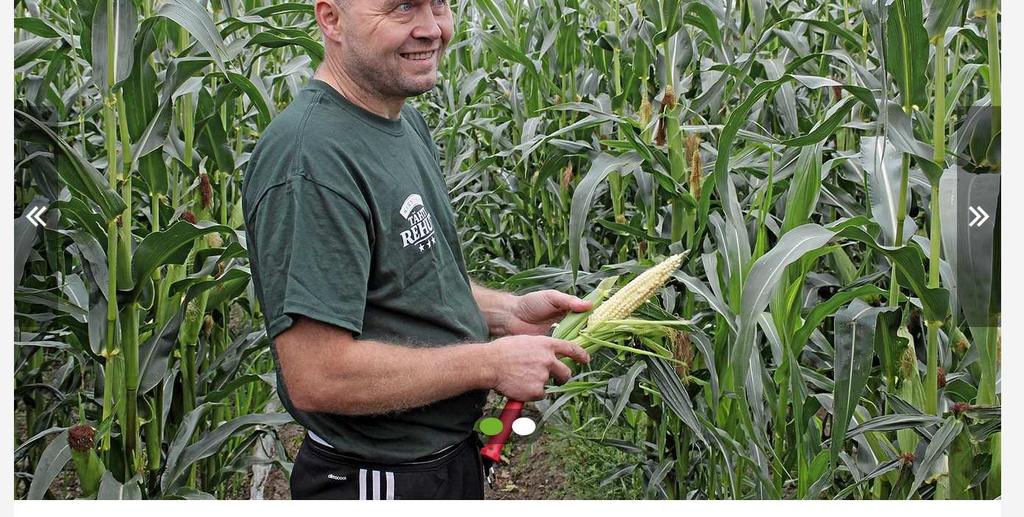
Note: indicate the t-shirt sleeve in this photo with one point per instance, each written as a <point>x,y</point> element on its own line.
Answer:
<point>312,248</point>
<point>423,130</point>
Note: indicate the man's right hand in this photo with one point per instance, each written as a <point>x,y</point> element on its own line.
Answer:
<point>525,363</point>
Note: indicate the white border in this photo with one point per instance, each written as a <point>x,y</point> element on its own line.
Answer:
<point>7,288</point>
<point>1012,218</point>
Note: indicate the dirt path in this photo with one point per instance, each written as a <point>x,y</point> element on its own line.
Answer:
<point>532,473</point>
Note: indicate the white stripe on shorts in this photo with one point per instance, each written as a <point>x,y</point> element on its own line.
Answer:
<point>362,484</point>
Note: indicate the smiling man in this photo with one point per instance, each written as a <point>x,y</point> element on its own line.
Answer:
<point>385,350</point>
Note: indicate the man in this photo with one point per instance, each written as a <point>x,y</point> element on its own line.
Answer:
<point>379,337</point>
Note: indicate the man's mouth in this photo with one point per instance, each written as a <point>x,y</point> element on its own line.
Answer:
<point>418,56</point>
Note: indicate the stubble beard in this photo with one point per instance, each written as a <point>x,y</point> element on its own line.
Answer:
<point>384,81</point>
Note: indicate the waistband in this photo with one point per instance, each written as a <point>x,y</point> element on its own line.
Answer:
<point>327,449</point>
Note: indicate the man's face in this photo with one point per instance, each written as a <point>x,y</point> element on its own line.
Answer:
<point>393,47</point>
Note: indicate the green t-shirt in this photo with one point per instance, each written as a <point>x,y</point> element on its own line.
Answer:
<point>349,223</point>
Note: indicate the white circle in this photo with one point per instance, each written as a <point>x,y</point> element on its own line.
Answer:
<point>524,426</point>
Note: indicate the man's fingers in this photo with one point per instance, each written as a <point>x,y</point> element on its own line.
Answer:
<point>560,372</point>
<point>568,302</point>
<point>563,348</point>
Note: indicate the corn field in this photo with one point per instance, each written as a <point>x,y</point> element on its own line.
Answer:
<point>819,340</point>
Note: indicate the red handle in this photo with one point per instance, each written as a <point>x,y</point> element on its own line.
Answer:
<point>509,414</point>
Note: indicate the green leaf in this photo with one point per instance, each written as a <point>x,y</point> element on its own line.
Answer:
<point>901,134</point>
<point>888,345</point>
<point>28,50</point>
<point>153,137</point>
<point>209,258</point>
<point>170,246</point>
<point>804,189</point>
<point>583,200</point>
<point>881,162</point>
<point>701,16</point>
<point>936,449</point>
<point>108,75</point>
<point>674,393</point>
<point>737,118</point>
<point>155,353</point>
<point>698,287</point>
<point>51,462</point>
<point>828,308</point>
<point>907,51</point>
<point>826,127</point>
<point>626,383</point>
<point>881,470</point>
<point>81,177</point>
<point>940,15</point>
<point>84,9</point>
<point>855,346</point>
<point>212,138</point>
<point>961,465</point>
<point>272,38</point>
<point>112,489</point>
<point>257,95</point>
<point>186,429</point>
<point>963,79</point>
<point>885,423</point>
<point>24,238</point>
<point>210,443</point>
<point>223,392</point>
<point>226,287</point>
<point>277,8</point>
<point>195,19</point>
<point>39,27</point>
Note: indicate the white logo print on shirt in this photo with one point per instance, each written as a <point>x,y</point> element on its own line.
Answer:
<point>421,224</point>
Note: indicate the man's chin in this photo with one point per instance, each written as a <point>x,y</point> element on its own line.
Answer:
<point>413,90</point>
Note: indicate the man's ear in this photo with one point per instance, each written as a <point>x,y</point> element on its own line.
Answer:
<point>328,17</point>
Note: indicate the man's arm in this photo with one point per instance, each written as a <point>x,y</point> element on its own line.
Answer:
<point>496,306</point>
<point>326,370</point>
<point>530,314</point>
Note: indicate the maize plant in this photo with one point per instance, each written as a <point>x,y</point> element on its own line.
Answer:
<point>812,336</point>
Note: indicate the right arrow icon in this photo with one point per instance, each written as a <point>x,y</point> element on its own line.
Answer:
<point>979,214</point>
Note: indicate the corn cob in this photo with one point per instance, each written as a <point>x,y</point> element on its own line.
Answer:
<point>569,328</point>
<point>82,441</point>
<point>636,292</point>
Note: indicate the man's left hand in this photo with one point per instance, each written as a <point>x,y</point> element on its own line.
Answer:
<point>535,313</point>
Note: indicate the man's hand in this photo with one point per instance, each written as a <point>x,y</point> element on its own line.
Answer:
<point>536,312</point>
<point>529,314</point>
<point>526,362</point>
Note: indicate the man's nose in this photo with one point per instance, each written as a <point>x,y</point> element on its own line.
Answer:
<point>426,24</point>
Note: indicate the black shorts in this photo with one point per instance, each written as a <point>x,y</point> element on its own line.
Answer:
<point>321,472</point>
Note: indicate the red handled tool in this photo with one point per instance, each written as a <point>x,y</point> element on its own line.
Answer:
<point>492,451</point>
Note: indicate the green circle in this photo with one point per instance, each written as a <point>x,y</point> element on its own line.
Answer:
<point>490,426</point>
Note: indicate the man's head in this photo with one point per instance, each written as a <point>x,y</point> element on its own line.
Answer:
<point>388,47</point>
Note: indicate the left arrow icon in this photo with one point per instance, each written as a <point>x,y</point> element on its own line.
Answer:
<point>35,216</point>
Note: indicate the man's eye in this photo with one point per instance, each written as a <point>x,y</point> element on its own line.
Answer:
<point>440,3</point>
<point>404,7</point>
